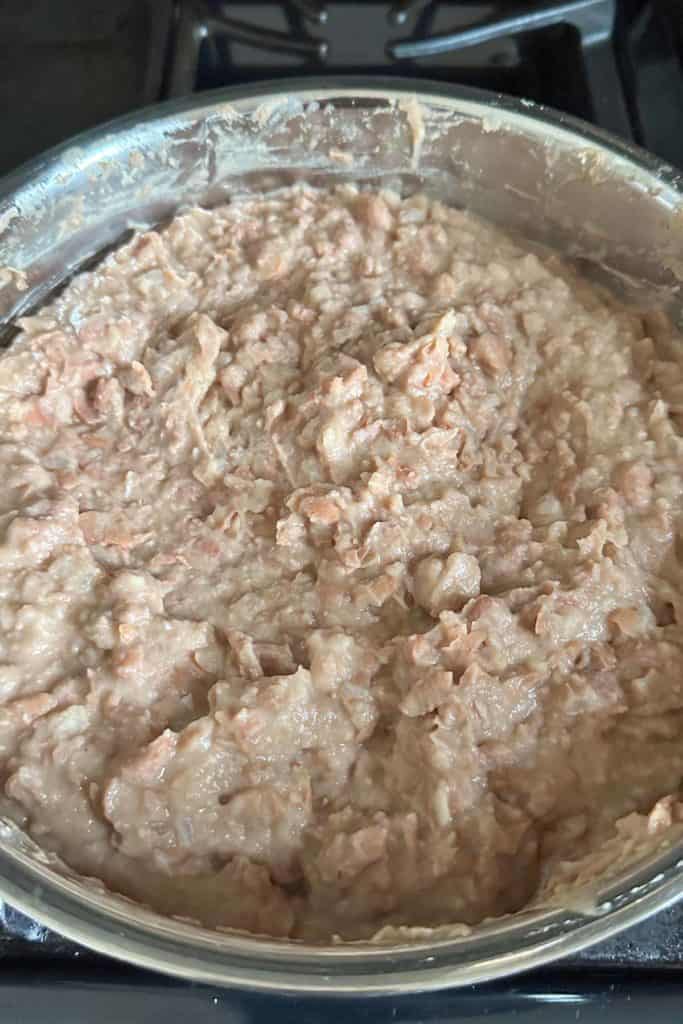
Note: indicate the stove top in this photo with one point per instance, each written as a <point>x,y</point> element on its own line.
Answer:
<point>611,62</point>
<point>70,64</point>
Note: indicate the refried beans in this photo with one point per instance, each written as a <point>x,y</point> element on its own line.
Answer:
<point>340,568</point>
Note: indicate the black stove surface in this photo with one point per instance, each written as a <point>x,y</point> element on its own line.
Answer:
<point>66,65</point>
<point>113,995</point>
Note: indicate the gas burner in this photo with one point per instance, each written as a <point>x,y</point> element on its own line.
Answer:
<point>589,58</point>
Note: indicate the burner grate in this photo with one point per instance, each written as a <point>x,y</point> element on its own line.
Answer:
<point>586,57</point>
<point>201,24</point>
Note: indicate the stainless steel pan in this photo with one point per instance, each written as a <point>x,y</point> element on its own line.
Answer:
<point>553,179</point>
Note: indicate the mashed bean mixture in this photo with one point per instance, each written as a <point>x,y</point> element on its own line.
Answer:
<point>340,580</point>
